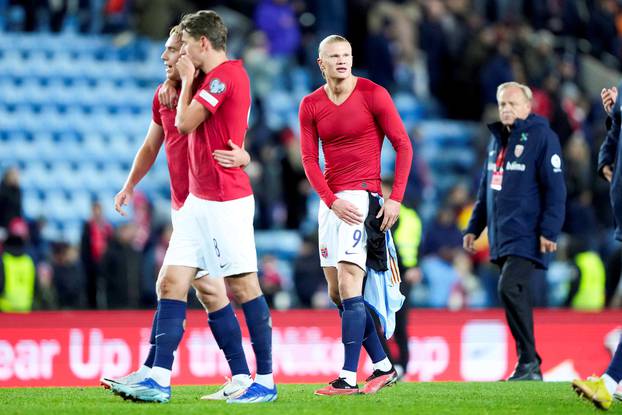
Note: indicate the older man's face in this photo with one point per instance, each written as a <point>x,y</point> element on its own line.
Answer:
<point>513,104</point>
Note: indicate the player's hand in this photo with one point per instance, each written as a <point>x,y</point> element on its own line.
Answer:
<point>547,246</point>
<point>468,243</point>
<point>608,172</point>
<point>609,96</point>
<point>391,211</point>
<point>167,95</point>
<point>122,199</point>
<point>236,157</point>
<point>186,68</point>
<point>347,212</point>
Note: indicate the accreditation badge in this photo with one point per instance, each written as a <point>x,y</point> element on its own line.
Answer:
<point>496,183</point>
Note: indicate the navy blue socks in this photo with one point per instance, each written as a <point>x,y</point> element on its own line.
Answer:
<point>371,341</point>
<point>259,324</point>
<point>170,329</point>
<point>353,322</point>
<point>226,330</point>
<point>152,350</point>
<point>615,366</point>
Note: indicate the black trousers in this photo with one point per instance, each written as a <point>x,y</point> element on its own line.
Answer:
<point>514,294</point>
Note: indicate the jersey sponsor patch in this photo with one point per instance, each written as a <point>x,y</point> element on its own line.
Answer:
<point>556,162</point>
<point>216,86</point>
<point>515,166</point>
<point>212,100</point>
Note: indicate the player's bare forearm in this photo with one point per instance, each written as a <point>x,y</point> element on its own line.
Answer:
<point>142,164</point>
<point>146,155</point>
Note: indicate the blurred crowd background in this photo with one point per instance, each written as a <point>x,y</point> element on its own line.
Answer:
<point>75,96</point>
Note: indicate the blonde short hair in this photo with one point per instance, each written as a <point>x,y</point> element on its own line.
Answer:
<point>524,88</point>
<point>330,39</point>
<point>175,31</point>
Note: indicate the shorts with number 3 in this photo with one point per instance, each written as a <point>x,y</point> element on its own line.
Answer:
<point>338,241</point>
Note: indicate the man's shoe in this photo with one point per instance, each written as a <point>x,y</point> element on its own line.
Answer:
<point>379,380</point>
<point>133,377</point>
<point>338,386</point>
<point>526,371</point>
<point>593,389</point>
<point>232,388</point>
<point>256,393</point>
<point>146,391</point>
<point>618,393</point>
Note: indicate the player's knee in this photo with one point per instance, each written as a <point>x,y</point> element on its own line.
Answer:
<point>244,288</point>
<point>168,287</point>
<point>348,291</point>
<point>349,286</point>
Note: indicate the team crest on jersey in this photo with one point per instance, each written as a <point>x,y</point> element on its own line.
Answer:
<point>518,150</point>
<point>324,251</point>
<point>216,86</point>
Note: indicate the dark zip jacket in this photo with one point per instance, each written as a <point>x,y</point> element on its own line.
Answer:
<point>608,155</point>
<point>531,202</point>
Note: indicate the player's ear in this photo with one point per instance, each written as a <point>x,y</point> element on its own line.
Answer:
<point>205,43</point>
<point>320,64</point>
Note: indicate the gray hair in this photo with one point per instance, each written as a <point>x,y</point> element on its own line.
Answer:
<point>524,88</point>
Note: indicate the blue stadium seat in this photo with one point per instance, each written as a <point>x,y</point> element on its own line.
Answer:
<point>81,202</point>
<point>57,206</point>
<point>32,204</point>
<point>66,176</point>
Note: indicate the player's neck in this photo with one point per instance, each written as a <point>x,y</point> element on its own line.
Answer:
<point>339,88</point>
<point>216,59</point>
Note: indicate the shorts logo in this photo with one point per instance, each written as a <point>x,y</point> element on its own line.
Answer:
<point>518,150</point>
<point>216,86</point>
<point>324,251</point>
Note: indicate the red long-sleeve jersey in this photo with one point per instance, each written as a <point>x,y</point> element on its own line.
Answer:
<point>352,134</point>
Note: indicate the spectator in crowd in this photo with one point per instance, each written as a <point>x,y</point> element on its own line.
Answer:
<point>10,197</point>
<point>587,286</point>
<point>440,244</point>
<point>67,276</point>
<point>308,281</point>
<point>96,234</point>
<point>120,270</point>
<point>17,270</point>
<point>270,278</point>
<point>277,19</point>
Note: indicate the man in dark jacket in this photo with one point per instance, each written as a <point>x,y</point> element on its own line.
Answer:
<point>601,390</point>
<point>521,199</point>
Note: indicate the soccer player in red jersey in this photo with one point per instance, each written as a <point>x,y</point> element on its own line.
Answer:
<point>351,115</point>
<point>179,259</point>
<point>221,200</point>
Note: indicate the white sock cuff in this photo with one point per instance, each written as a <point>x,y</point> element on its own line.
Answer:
<point>265,380</point>
<point>161,375</point>
<point>350,377</point>
<point>610,384</point>
<point>383,365</point>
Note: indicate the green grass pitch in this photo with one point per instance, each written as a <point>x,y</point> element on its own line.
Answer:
<point>404,398</point>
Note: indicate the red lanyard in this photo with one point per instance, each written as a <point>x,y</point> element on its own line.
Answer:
<point>501,158</point>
